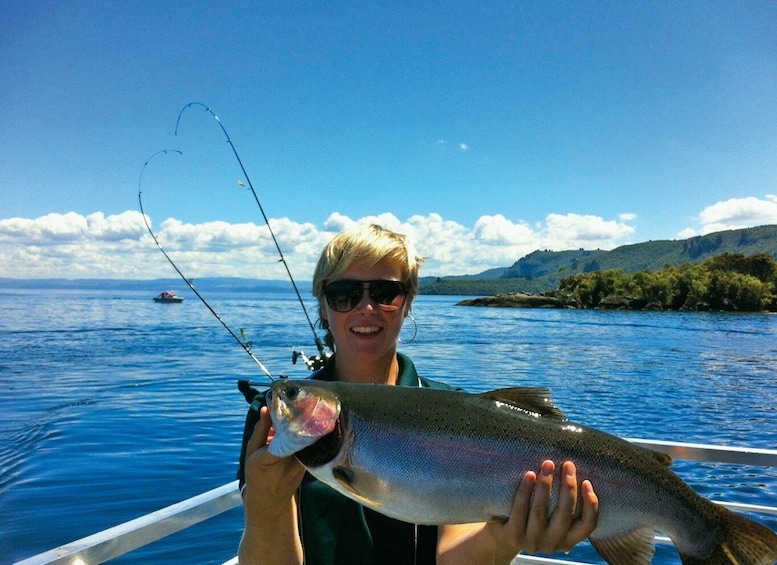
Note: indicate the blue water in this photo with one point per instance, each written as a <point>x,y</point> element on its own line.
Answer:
<point>113,406</point>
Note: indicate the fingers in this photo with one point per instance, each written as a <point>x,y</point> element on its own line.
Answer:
<point>260,438</point>
<point>589,516</point>
<point>568,524</point>
<point>533,527</point>
<point>537,527</point>
<point>275,478</point>
<point>261,431</point>
<point>561,531</point>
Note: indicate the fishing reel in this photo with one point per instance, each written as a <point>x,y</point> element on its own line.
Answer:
<point>314,363</point>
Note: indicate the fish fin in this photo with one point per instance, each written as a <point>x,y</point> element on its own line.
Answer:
<point>535,400</point>
<point>742,542</point>
<point>635,548</point>
<point>661,457</point>
<point>345,478</point>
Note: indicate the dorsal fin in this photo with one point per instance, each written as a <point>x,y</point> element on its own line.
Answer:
<point>535,400</point>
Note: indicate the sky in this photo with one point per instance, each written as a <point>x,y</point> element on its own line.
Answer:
<point>482,130</point>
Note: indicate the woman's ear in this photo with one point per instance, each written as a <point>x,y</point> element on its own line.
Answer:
<point>408,306</point>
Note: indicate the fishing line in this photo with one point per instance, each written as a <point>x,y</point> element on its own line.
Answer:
<point>315,362</point>
<point>246,346</point>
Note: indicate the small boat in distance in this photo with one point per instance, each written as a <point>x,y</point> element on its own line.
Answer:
<point>168,296</point>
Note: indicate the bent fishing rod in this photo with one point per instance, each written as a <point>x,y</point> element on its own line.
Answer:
<point>315,362</point>
<point>245,345</point>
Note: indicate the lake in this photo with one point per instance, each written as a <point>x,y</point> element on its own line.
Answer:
<point>114,406</point>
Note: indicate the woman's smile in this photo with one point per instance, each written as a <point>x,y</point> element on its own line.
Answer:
<point>366,330</point>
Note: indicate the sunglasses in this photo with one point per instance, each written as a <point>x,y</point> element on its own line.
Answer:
<point>344,295</point>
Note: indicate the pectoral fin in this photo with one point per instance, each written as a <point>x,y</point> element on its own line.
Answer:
<point>345,478</point>
<point>635,548</point>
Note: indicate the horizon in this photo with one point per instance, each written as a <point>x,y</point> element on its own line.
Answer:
<point>481,131</point>
<point>304,281</point>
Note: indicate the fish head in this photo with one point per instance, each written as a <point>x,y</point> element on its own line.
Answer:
<point>302,412</point>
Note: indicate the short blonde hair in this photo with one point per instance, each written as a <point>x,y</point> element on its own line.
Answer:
<point>369,244</point>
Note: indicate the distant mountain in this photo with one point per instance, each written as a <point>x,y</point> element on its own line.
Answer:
<point>540,271</point>
<point>231,284</point>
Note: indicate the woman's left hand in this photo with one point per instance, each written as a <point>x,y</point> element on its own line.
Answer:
<point>533,528</point>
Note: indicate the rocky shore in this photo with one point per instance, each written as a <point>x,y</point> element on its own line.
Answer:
<point>524,300</point>
<point>516,300</point>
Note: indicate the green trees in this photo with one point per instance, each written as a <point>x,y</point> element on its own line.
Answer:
<point>726,282</point>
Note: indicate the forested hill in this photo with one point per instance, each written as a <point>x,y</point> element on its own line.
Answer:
<point>540,271</point>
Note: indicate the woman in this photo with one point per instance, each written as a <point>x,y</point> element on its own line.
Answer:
<point>365,282</point>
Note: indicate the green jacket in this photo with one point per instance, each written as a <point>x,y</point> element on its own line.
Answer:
<point>336,530</point>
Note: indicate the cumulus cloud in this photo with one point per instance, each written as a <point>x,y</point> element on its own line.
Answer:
<point>735,213</point>
<point>119,246</point>
<point>72,227</point>
<point>575,231</point>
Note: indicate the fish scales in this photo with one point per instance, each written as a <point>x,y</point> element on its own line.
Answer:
<point>452,443</point>
<point>439,457</point>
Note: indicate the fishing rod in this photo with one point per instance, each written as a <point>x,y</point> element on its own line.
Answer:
<point>317,361</point>
<point>245,345</point>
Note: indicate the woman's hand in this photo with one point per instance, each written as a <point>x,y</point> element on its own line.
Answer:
<point>531,526</point>
<point>270,480</point>
<point>533,529</point>
<point>271,532</point>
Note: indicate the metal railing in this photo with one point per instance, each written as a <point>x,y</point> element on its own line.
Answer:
<point>121,539</point>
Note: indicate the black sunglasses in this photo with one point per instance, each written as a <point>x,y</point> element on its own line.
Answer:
<point>345,294</point>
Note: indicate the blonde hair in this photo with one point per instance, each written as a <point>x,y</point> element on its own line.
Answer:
<point>369,244</point>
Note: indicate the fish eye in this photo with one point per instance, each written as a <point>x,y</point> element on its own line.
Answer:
<point>292,392</point>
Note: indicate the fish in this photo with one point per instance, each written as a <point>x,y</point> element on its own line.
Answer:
<point>432,456</point>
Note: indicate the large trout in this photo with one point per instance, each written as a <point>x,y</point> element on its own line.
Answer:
<point>430,456</point>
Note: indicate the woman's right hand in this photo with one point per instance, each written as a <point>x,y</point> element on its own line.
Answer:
<point>271,531</point>
<point>270,481</point>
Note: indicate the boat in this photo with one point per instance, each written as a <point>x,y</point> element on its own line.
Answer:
<point>168,297</point>
<point>126,537</point>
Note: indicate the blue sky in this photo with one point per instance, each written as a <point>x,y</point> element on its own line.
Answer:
<point>484,130</point>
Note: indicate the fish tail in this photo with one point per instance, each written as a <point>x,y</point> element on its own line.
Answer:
<point>741,542</point>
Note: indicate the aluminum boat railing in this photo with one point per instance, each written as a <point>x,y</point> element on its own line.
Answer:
<point>118,540</point>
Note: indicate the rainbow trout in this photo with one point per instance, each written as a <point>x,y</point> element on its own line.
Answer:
<point>430,456</point>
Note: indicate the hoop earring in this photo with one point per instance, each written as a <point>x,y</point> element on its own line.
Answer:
<point>415,330</point>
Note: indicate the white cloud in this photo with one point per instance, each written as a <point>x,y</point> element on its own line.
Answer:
<point>573,231</point>
<point>686,233</point>
<point>498,230</point>
<point>119,246</point>
<point>734,213</point>
<point>737,213</point>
